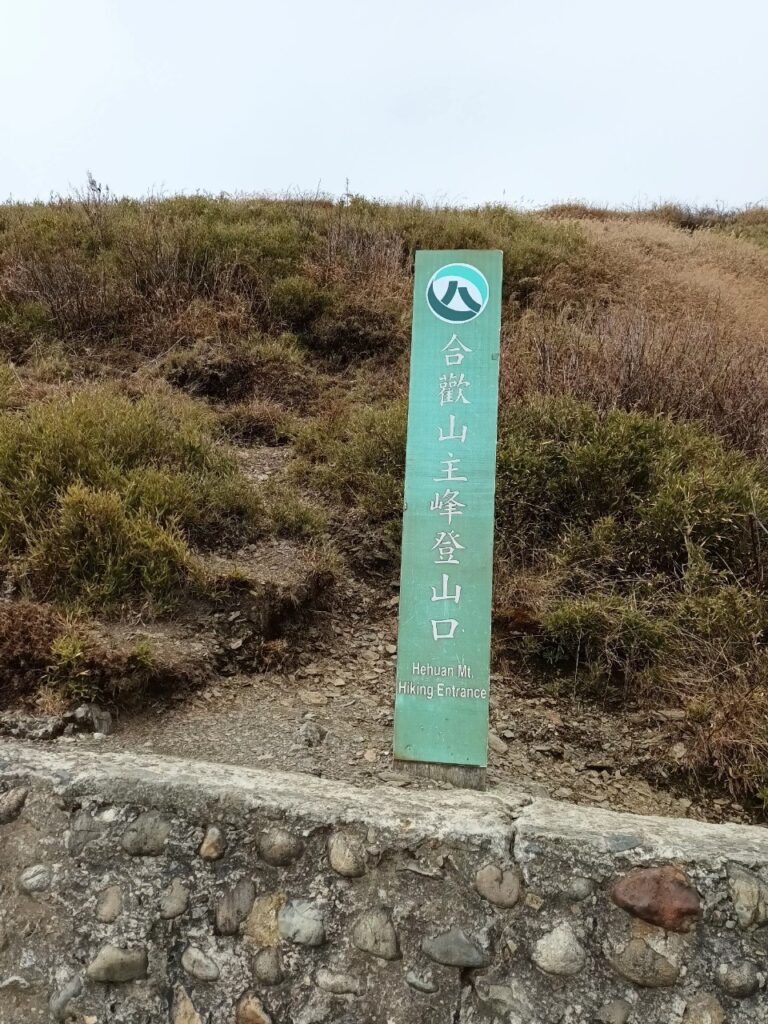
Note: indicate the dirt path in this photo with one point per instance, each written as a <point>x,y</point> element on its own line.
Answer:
<point>332,716</point>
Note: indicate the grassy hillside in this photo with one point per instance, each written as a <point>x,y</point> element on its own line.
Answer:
<point>148,349</point>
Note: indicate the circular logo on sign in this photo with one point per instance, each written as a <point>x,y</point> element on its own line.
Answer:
<point>457,293</point>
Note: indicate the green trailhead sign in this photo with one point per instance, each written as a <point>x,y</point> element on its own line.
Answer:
<point>443,658</point>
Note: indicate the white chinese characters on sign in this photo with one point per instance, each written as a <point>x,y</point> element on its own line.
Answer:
<point>447,544</point>
<point>453,389</point>
<point>452,435</point>
<point>455,352</point>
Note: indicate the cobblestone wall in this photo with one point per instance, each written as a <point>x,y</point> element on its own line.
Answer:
<point>154,890</point>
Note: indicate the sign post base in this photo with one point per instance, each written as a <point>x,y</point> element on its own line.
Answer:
<point>460,775</point>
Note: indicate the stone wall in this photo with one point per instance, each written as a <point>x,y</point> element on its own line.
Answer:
<point>137,889</point>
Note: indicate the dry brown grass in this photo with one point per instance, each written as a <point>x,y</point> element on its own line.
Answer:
<point>678,325</point>
<point>675,271</point>
<point>686,365</point>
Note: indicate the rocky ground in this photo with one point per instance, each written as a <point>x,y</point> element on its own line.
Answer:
<point>332,715</point>
<point>318,698</point>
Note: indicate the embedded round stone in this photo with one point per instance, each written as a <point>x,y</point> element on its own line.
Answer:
<point>750,896</point>
<point>60,1000</point>
<point>234,907</point>
<point>421,982</point>
<point>184,1011</point>
<point>616,1012</point>
<point>110,904</point>
<point>580,888</point>
<point>147,835</point>
<point>261,924</point>
<point>559,952</point>
<point>739,980</point>
<point>268,966</point>
<point>498,885</point>
<point>660,896</point>
<point>37,878</point>
<point>115,965</point>
<point>338,984</point>
<point>704,1008</point>
<point>174,900</point>
<point>346,854</point>
<point>213,845</point>
<point>374,933</point>
<point>300,921</point>
<point>11,804</point>
<point>83,831</point>
<point>250,1010</point>
<point>639,962</point>
<point>279,847</point>
<point>455,948</point>
<point>198,965</point>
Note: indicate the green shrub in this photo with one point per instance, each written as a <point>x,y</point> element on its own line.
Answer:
<point>657,487</point>
<point>216,370</point>
<point>298,301</point>
<point>608,635</point>
<point>27,631</point>
<point>102,495</point>
<point>97,552</point>
<point>359,455</point>
<point>354,330</point>
<point>266,369</point>
<point>9,384</point>
<point>53,660</point>
<point>259,422</point>
<point>353,462</point>
<point>717,620</point>
<point>631,553</point>
<point>294,514</point>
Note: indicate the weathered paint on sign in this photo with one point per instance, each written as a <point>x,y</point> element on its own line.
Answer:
<point>443,660</point>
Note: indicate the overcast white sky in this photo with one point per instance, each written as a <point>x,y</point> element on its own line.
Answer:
<point>520,101</point>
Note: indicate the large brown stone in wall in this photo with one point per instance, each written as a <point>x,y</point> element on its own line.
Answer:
<point>660,896</point>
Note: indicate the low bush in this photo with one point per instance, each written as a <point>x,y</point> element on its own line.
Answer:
<point>298,301</point>
<point>632,550</point>
<point>358,455</point>
<point>352,330</point>
<point>98,551</point>
<point>104,497</point>
<point>353,461</point>
<point>607,635</point>
<point>563,467</point>
<point>27,634</point>
<point>259,422</point>
<point>222,371</point>
<point>8,385</point>
<point>266,369</point>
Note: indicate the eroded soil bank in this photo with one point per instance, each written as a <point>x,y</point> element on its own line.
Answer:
<point>332,716</point>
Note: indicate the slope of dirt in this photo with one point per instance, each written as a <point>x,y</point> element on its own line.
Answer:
<point>333,716</point>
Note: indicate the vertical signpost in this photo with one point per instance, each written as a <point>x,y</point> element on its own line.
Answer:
<point>443,657</point>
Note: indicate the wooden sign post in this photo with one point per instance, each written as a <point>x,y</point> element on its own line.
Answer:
<point>443,658</point>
